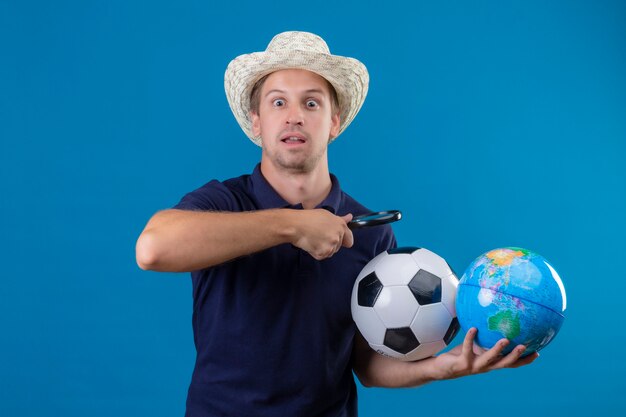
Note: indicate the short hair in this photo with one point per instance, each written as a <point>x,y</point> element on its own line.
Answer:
<point>255,95</point>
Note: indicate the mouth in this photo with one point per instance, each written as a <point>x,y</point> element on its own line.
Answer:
<point>293,138</point>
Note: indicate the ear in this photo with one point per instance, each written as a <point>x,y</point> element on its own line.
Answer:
<point>335,124</point>
<point>256,124</point>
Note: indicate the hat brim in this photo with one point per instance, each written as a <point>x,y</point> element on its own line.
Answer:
<point>347,75</point>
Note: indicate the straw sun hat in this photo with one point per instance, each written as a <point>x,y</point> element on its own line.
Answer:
<point>295,50</point>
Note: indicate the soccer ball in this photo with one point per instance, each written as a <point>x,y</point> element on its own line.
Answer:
<point>403,303</point>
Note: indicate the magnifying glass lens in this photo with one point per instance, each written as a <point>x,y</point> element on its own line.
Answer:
<point>375,219</point>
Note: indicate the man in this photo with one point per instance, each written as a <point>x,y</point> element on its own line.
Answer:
<point>272,257</point>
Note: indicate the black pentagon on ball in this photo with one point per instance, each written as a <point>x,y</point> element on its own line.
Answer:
<point>405,249</point>
<point>426,287</point>
<point>452,331</point>
<point>401,340</point>
<point>369,288</point>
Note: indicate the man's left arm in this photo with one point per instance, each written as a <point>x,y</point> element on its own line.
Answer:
<point>375,370</point>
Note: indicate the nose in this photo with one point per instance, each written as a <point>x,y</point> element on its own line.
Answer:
<point>295,116</point>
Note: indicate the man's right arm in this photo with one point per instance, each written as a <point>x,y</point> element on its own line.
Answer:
<point>183,240</point>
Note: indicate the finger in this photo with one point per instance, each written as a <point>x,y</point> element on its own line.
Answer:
<point>328,253</point>
<point>492,356</point>
<point>337,247</point>
<point>334,246</point>
<point>347,217</point>
<point>348,238</point>
<point>468,342</point>
<point>514,359</point>
<point>526,360</point>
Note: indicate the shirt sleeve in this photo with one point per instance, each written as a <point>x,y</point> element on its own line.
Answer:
<point>213,196</point>
<point>387,240</point>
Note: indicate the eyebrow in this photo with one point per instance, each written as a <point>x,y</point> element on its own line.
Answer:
<point>309,91</point>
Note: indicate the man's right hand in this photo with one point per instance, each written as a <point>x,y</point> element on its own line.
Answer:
<point>187,240</point>
<point>321,233</point>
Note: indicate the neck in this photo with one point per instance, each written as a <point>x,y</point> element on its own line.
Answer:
<point>308,188</point>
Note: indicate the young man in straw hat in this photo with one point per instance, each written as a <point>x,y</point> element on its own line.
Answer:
<point>272,259</point>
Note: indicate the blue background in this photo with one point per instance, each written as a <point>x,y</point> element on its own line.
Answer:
<point>488,123</point>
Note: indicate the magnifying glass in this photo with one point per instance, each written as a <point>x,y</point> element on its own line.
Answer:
<point>374,219</point>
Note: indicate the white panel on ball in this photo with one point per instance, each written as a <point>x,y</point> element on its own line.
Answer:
<point>431,323</point>
<point>369,324</point>
<point>396,306</point>
<point>396,269</point>
<point>384,350</point>
<point>431,262</point>
<point>449,286</point>
<point>425,350</point>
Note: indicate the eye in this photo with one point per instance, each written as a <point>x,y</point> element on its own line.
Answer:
<point>312,104</point>
<point>278,102</point>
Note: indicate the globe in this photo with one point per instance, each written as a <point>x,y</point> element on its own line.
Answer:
<point>513,293</point>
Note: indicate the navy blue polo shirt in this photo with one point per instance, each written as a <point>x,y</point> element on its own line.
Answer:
<point>273,330</point>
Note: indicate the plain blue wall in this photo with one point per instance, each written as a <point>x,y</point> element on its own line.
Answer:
<point>488,123</point>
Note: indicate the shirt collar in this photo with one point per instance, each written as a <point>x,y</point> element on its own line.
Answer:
<point>268,198</point>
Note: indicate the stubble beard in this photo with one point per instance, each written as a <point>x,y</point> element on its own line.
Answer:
<point>295,164</point>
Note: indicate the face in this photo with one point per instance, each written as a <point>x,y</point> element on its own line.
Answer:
<point>295,121</point>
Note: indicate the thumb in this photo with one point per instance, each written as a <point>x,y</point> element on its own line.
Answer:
<point>347,217</point>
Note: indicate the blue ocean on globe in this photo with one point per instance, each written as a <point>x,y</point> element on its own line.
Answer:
<point>513,293</point>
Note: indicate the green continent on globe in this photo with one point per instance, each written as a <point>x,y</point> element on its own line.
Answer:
<point>506,323</point>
